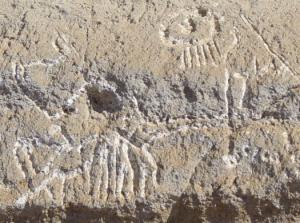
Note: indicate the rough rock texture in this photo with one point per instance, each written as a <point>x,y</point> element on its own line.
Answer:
<point>150,111</point>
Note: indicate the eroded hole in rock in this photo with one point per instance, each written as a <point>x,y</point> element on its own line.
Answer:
<point>190,94</point>
<point>104,100</point>
<point>69,109</point>
<point>202,11</point>
<point>193,25</point>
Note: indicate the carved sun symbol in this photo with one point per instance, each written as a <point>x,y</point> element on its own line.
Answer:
<point>193,31</point>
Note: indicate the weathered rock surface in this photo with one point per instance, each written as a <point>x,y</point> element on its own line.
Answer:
<point>150,111</point>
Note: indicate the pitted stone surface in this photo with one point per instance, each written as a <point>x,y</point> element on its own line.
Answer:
<point>149,111</point>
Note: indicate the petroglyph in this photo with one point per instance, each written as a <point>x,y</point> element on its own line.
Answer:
<point>33,85</point>
<point>226,88</point>
<point>149,111</point>
<point>194,31</point>
<point>273,53</point>
<point>24,159</point>
<point>23,154</point>
<point>61,46</point>
<point>41,179</point>
<point>235,86</point>
<point>44,185</point>
<point>110,171</point>
<point>21,71</point>
<point>238,89</point>
<point>115,169</point>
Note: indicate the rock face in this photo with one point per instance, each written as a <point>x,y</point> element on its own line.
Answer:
<point>150,111</point>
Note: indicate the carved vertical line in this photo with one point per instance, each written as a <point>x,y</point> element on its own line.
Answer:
<point>95,174</point>
<point>213,52</point>
<point>142,180</point>
<point>62,191</point>
<point>129,171</point>
<point>217,47</point>
<point>192,60</point>
<point>105,175</point>
<point>121,169</point>
<point>182,61</point>
<point>226,88</point>
<point>201,48</point>
<point>188,58</point>
<point>113,168</point>
<point>197,59</point>
<point>208,54</point>
<point>86,176</point>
